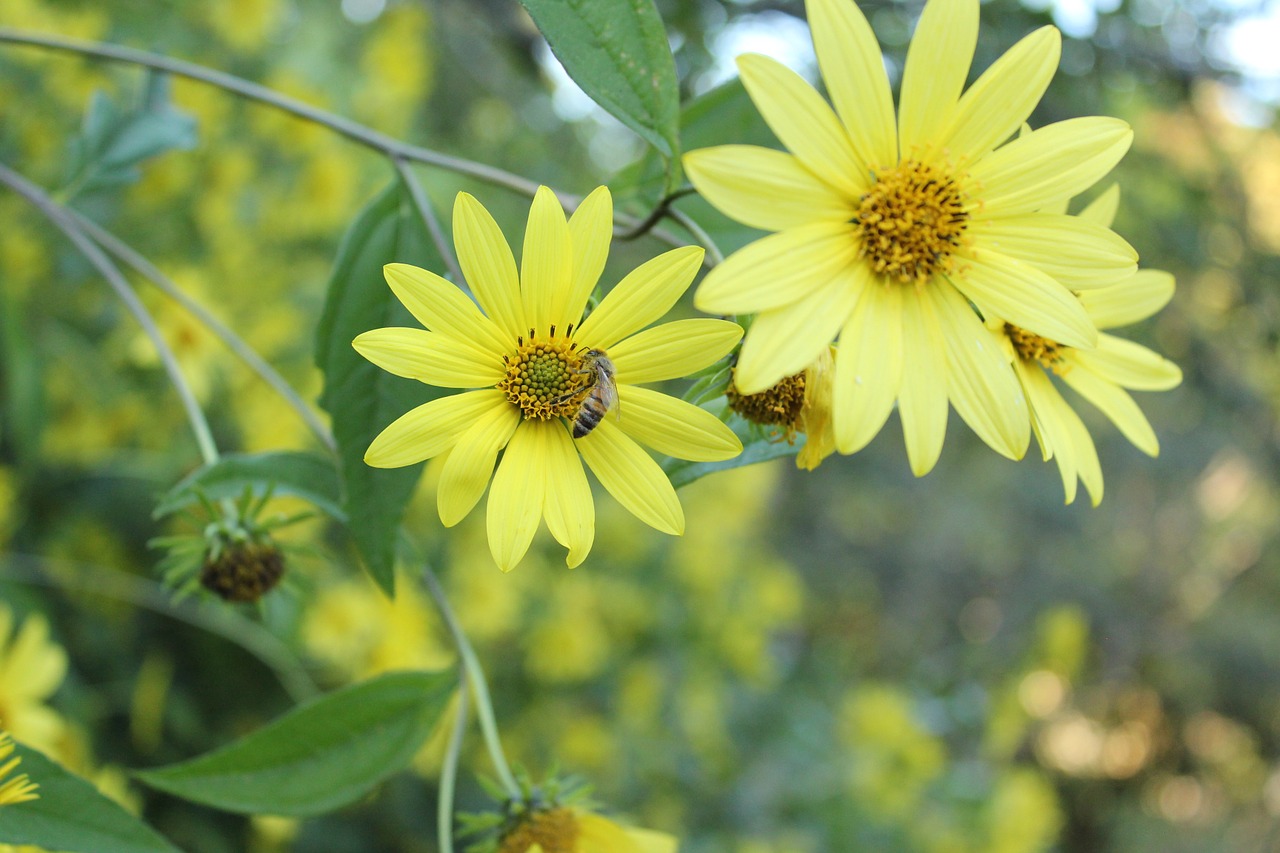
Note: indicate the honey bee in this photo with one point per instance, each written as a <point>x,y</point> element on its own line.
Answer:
<point>602,392</point>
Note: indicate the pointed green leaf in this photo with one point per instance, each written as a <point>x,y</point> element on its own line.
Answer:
<point>362,398</point>
<point>617,51</point>
<point>322,755</point>
<point>305,475</point>
<point>71,815</point>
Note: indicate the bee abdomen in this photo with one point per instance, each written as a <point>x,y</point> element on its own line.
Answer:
<point>589,417</point>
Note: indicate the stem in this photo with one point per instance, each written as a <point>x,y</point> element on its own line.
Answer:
<point>713,258</point>
<point>233,342</point>
<point>114,584</point>
<point>68,226</point>
<point>449,770</point>
<point>479,687</point>
<point>427,211</point>
<point>660,210</point>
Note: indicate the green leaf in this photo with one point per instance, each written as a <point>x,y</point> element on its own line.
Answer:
<point>305,475</point>
<point>361,398</point>
<point>72,816</point>
<point>113,141</point>
<point>322,755</point>
<point>617,51</point>
<point>22,392</point>
<point>758,445</point>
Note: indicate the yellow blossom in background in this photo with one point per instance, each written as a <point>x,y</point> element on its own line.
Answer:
<point>31,669</point>
<point>13,789</point>
<point>244,25</point>
<point>1100,374</point>
<point>893,757</point>
<point>396,68</point>
<point>888,230</point>
<point>536,364</point>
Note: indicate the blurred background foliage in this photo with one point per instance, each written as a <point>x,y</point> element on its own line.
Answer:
<point>851,659</point>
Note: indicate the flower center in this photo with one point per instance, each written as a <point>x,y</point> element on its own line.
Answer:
<point>544,377</point>
<point>911,222</point>
<point>1035,348</point>
<point>779,405</point>
<point>555,830</point>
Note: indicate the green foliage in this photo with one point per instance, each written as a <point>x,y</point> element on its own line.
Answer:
<point>362,398</point>
<point>113,141</point>
<point>295,473</point>
<point>758,445</point>
<point>617,51</point>
<point>71,815</point>
<point>324,754</point>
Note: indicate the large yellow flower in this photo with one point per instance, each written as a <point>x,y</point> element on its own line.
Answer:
<point>890,232</point>
<point>527,356</point>
<point>1100,375</point>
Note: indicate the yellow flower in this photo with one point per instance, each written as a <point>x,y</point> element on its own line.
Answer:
<point>890,233</point>
<point>571,830</point>
<point>31,668</point>
<point>536,364</point>
<point>19,789</point>
<point>1100,375</point>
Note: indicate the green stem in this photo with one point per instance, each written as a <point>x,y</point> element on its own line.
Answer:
<point>479,687</point>
<point>233,342</point>
<point>449,770</point>
<point>68,226</point>
<point>714,257</point>
<point>427,211</point>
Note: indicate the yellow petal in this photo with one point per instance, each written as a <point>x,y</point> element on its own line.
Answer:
<point>1131,301</point>
<point>442,307</point>
<point>1102,210</point>
<point>868,367</point>
<point>980,381</point>
<point>632,477</point>
<point>1049,164</point>
<point>787,340</point>
<point>569,508</point>
<point>764,188</point>
<point>1078,254</point>
<point>429,357</point>
<point>649,841</point>
<point>778,270</point>
<point>647,293</point>
<point>672,350</point>
<point>1114,402</point>
<point>1003,97</point>
<point>600,835</point>
<point>430,429</point>
<point>922,395</point>
<point>674,427</point>
<point>1007,289</point>
<point>546,264</point>
<point>804,123</point>
<point>936,70</point>
<point>1074,452</point>
<point>1047,435</point>
<point>590,233</point>
<point>1129,365</point>
<point>466,472</point>
<point>853,70</point>
<point>516,497</point>
<point>488,265</point>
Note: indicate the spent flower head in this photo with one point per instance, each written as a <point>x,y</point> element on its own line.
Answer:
<point>548,388</point>
<point>891,230</point>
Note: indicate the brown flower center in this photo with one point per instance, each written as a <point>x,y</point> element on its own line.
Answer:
<point>910,222</point>
<point>779,405</point>
<point>244,571</point>
<point>1031,347</point>
<point>555,830</point>
<point>544,377</point>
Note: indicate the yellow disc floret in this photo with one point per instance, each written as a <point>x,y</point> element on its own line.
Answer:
<point>544,376</point>
<point>910,222</point>
<point>554,830</point>
<point>1035,348</point>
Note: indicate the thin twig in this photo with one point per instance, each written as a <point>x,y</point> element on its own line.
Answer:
<point>68,226</point>
<point>233,342</point>
<point>427,211</point>
<point>449,770</point>
<point>119,586</point>
<point>713,257</point>
<point>471,664</point>
<point>662,209</point>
